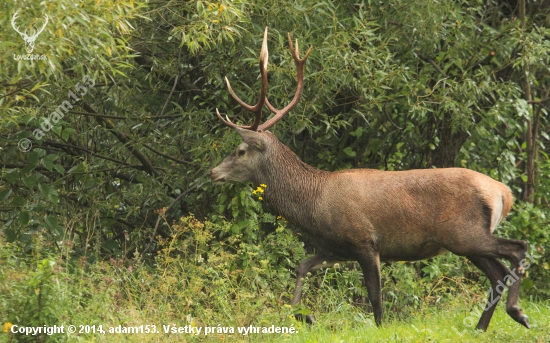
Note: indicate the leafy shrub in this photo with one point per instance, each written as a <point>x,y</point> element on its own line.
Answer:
<point>531,223</point>
<point>201,275</point>
<point>29,292</point>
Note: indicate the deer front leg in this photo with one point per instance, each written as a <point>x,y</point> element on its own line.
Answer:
<point>370,264</point>
<point>314,262</point>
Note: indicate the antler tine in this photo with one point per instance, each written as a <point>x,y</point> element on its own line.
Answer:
<point>299,62</point>
<point>13,19</point>
<point>229,123</point>
<point>256,109</point>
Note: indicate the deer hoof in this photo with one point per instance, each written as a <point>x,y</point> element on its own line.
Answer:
<point>519,316</point>
<point>300,317</point>
<point>524,320</point>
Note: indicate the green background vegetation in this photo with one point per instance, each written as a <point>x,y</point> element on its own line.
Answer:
<point>110,218</point>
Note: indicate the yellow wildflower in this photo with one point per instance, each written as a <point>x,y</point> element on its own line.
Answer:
<point>7,327</point>
<point>260,191</point>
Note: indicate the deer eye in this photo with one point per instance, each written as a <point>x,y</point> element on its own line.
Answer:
<point>241,152</point>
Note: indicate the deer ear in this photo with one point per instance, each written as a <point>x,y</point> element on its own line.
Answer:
<point>252,138</point>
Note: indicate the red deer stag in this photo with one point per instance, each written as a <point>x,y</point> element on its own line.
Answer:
<point>368,215</point>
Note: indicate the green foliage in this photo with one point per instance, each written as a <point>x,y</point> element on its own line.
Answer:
<point>531,223</point>
<point>201,275</point>
<point>130,89</point>
<point>29,289</point>
<point>406,85</point>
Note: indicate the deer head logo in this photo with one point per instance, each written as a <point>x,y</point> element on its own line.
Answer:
<point>29,40</point>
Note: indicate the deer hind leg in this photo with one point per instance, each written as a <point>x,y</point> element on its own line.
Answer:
<point>483,252</point>
<point>518,251</point>
<point>495,271</point>
<point>314,262</point>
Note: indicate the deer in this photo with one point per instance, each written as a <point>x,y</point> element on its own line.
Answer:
<point>373,216</point>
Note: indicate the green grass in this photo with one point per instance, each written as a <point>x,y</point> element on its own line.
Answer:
<point>180,289</point>
<point>430,325</point>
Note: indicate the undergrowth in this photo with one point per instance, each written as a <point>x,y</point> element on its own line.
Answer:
<point>207,276</point>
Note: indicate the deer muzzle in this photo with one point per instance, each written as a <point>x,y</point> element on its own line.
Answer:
<point>216,178</point>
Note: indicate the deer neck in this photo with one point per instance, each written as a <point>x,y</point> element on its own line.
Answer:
<point>293,187</point>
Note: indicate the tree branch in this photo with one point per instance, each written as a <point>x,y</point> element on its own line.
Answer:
<point>124,118</point>
<point>57,144</point>
<point>164,155</point>
<point>426,58</point>
<point>148,166</point>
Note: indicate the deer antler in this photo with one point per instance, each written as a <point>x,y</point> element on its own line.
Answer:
<point>257,109</point>
<point>299,62</point>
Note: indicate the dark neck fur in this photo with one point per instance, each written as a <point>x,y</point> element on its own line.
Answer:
<point>292,186</point>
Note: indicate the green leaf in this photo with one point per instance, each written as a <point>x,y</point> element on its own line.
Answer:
<point>28,168</point>
<point>18,201</point>
<point>357,133</point>
<point>110,245</point>
<point>10,235</point>
<point>48,161</point>
<point>65,134</point>
<point>39,152</point>
<point>107,222</point>
<point>29,181</point>
<point>48,192</point>
<point>59,168</point>
<point>5,194</point>
<point>47,164</point>
<point>55,229</point>
<point>32,157</point>
<point>527,283</point>
<point>349,151</point>
<point>57,129</point>
<point>78,168</point>
<point>11,177</point>
<point>24,217</point>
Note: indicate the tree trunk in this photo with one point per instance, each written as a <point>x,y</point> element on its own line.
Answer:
<point>444,155</point>
<point>531,134</point>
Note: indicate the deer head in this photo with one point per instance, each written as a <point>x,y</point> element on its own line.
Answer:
<point>240,165</point>
<point>29,40</point>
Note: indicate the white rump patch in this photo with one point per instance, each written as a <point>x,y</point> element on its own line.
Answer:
<point>496,217</point>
